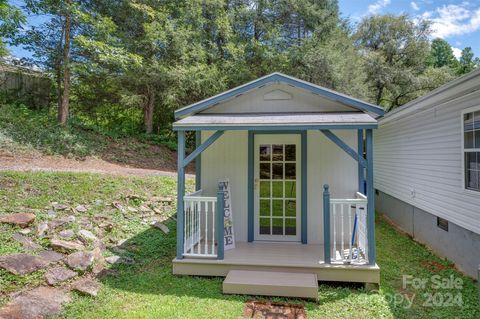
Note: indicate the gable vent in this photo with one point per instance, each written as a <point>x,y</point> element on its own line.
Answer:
<point>277,95</point>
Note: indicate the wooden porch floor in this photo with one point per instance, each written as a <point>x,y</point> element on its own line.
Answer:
<point>282,257</point>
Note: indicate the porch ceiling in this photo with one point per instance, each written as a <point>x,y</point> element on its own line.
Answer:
<point>297,120</point>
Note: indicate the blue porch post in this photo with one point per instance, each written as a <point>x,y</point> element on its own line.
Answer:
<point>371,199</point>
<point>198,162</point>
<point>326,224</point>
<point>220,223</point>
<point>180,192</point>
<point>361,170</point>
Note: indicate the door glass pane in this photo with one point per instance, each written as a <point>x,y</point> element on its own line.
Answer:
<point>277,207</point>
<point>264,226</point>
<point>277,226</point>
<point>264,207</point>
<point>277,169</point>
<point>290,208</point>
<point>264,152</point>
<point>290,189</point>
<point>290,226</point>
<point>468,130</point>
<point>264,170</point>
<point>265,189</point>
<point>277,189</point>
<point>290,152</point>
<point>277,152</point>
<point>290,170</point>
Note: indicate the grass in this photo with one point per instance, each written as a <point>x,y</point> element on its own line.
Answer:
<point>149,290</point>
<point>23,130</point>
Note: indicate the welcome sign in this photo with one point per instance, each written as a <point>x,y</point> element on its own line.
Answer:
<point>228,235</point>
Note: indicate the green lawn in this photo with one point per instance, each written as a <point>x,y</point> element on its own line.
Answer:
<point>149,290</point>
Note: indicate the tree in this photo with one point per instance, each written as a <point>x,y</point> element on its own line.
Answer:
<point>51,44</point>
<point>395,50</point>
<point>11,19</point>
<point>467,61</point>
<point>441,54</point>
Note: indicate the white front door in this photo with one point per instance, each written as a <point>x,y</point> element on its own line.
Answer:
<point>277,187</point>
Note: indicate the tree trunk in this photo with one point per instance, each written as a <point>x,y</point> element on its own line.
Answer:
<point>148,109</point>
<point>63,107</point>
<point>58,69</point>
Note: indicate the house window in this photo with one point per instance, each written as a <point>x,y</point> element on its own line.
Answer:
<point>471,149</point>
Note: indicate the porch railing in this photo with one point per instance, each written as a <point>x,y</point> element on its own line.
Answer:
<point>202,230</point>
<point>347,241</point>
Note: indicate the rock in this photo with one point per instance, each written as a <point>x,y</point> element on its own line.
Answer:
<point>41,229</point>
<point>132,209</point>
<point>62,221</point>
<point>87,286</point>
<point>108,226</point>
<point>117,205</point>
<point>58,206</point>
<point>22,264</point>
<point>26,242</point>
<point>37,303</point>
<point>80,260</point>
<point>59,274</point>
<point>51,213</point>
<point>25,231</point>
<point>161,226</point>
<point>119,260</point>
<point>112,259</point>
<point>19,219</point>
<point>59,244</point>
<point>86,235</point>
<point>81,209</point>
<point>51,256</point>
<point>67,233</point>
<point>121,242</point>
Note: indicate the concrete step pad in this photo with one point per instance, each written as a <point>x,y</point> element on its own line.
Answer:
<point>270,283</point>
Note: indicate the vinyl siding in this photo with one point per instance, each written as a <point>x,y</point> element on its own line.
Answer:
<point>257,101</point>
<point>326,164</point>
<point>418,159</point>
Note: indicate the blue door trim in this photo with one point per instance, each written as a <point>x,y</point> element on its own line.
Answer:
<point>251,195</point>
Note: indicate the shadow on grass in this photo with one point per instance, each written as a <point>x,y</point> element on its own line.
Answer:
<point>153,252</point>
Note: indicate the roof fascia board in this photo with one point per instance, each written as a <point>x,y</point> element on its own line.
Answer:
<point>278,77</point>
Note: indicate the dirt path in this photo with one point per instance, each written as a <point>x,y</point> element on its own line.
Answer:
<point>62,164</point>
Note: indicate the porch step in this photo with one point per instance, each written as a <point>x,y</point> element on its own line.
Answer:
<point>271,283</point>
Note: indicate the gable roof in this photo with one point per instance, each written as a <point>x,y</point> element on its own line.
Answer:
<point>276,78</point>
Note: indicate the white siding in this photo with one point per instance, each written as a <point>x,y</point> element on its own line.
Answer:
<point>326,164</point>
<point>258,101</point>
<point>418,159</point>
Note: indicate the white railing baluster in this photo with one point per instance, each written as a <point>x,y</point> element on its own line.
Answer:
<point>334,216</point>
<point>214,207</point>
<point>341,230</point>
<point>350,233</point>
<point>206,228</point>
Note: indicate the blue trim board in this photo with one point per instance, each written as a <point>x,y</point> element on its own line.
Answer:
<point>371,200</point>
<point>361,169</point>
<point>198,162</point>
<point>220,224</point>
<point>326,225</point>
<point>344,147</point>
<point>278,78</point>
<point>274,128</point>
<point>202,147</point>
<point>250,191</point>
<point>304,189</point>
<point>304,195</point>
<point>180,193</point>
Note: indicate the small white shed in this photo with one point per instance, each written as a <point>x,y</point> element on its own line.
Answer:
<point>293,154</point>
